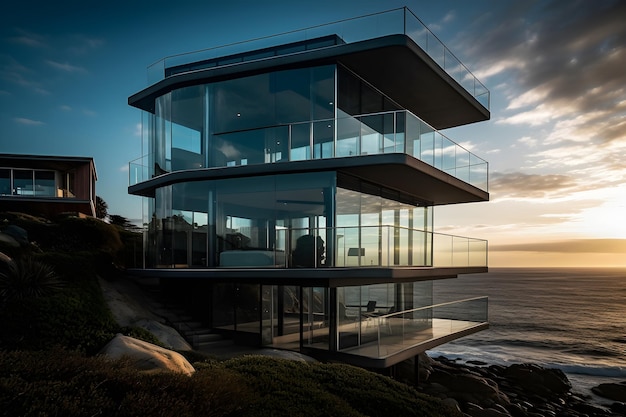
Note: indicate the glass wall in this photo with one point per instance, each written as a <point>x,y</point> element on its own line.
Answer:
<point>243,222</point>
<point>388,232</point>
<point>286,221</point>
<point>242,121</point>
<point>359,306</point>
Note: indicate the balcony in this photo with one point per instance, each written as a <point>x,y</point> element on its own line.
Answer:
<point>393,22</point>
<point>356,247</point>
<point>349,136</point>
<point>386,337</point>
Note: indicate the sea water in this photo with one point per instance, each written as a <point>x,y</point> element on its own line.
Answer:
<point>570,319</point>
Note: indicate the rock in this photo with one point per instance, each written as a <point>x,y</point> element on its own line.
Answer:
<point>619,408</point>
<point>146,356</point>
<point>534,379</point>
<point>469,388</point>
<point>615,392</point>
<point>477,363</point>
<point>9,240</point>
<point>166,334</point>
<point>17,233</point>
<point>451,403</point>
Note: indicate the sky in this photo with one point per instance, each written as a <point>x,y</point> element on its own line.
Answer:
<point>556,70</point>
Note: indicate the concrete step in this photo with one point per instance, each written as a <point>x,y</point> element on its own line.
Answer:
<point>207,346</point>
<point>207,337</point>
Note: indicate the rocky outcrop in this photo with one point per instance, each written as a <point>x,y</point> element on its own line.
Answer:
<point>146,356</point>
<point>520,390</point>
<point>615,392</point>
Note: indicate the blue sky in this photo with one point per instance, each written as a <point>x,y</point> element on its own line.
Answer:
<point>556,141</point>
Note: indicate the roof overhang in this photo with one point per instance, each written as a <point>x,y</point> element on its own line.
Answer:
<point>399,172</point>
<point>395,64</point>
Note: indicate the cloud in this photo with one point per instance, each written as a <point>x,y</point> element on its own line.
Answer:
<point>28,122</point>
<point>64,66</point>
<point>520,185</point>
<point>566,246</point>
<point>559,60</point>
<point>65,107</point>
<point>29,39</point>
<point>15,73</point>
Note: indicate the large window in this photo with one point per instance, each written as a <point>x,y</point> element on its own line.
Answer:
<point>244,121</point>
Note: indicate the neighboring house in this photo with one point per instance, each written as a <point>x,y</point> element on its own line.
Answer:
<point>47,185</point>
<point>290,181</point>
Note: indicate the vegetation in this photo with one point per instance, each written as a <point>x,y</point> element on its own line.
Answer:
<point>54,320</point>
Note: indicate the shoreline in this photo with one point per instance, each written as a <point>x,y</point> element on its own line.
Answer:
<point>479,389</point>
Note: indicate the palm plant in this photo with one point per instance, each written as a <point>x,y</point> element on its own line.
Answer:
<point>27,278</point>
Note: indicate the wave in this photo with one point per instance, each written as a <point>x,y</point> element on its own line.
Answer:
<point>610,371</point>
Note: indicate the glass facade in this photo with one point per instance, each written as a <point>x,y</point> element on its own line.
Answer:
<point>285,221</point>
<point>241,121</point>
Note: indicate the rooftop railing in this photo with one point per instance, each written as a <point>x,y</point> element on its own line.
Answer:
<point>397,21</point>
<point>349,136</point>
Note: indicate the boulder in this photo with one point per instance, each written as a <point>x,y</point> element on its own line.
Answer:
<point>538,380</point>
<point>166,334</point>
<point>469,388</point>
<point>146,356</point>
<point>612,391</point>
<point>9,240</point>
<point>17,233</point>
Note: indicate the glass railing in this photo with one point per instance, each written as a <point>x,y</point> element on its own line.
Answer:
<point>138,170</point>
<point>381,335</point>
<point>397,21</point>
<point>369,134</point>
<point>365,246</point>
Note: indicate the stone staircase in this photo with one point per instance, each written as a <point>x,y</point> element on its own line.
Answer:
<point>194,332</point>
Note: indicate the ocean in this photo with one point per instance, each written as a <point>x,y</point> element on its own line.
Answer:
<point>572,319</point>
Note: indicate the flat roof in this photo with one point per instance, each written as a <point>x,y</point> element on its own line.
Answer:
<point>394,64</point>
<point>55,162</point>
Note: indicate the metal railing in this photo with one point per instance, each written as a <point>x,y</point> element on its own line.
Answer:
<point>397,21</point>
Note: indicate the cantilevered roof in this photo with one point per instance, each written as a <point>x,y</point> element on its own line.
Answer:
<point>54,162</point>
<point>396,171</point>
<point>394,64</point>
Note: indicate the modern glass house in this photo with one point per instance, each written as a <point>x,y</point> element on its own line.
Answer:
<point>289,184</point>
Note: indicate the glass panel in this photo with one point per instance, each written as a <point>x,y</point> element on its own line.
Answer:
<point>323,139</point>
<point>187,113</point>
<point>244,103</point>
<point>300,142</point>
<point>223,306</point>
<point>247,314</point>
<point>23,182</point>
<point>348,135</point>
<point>316,317</point>
<point>5,182</point>
<point>45,184</point>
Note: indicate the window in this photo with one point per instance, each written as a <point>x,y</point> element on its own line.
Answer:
<point>23,182</point>
<point>5,182</point>
<point>45,183</point>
